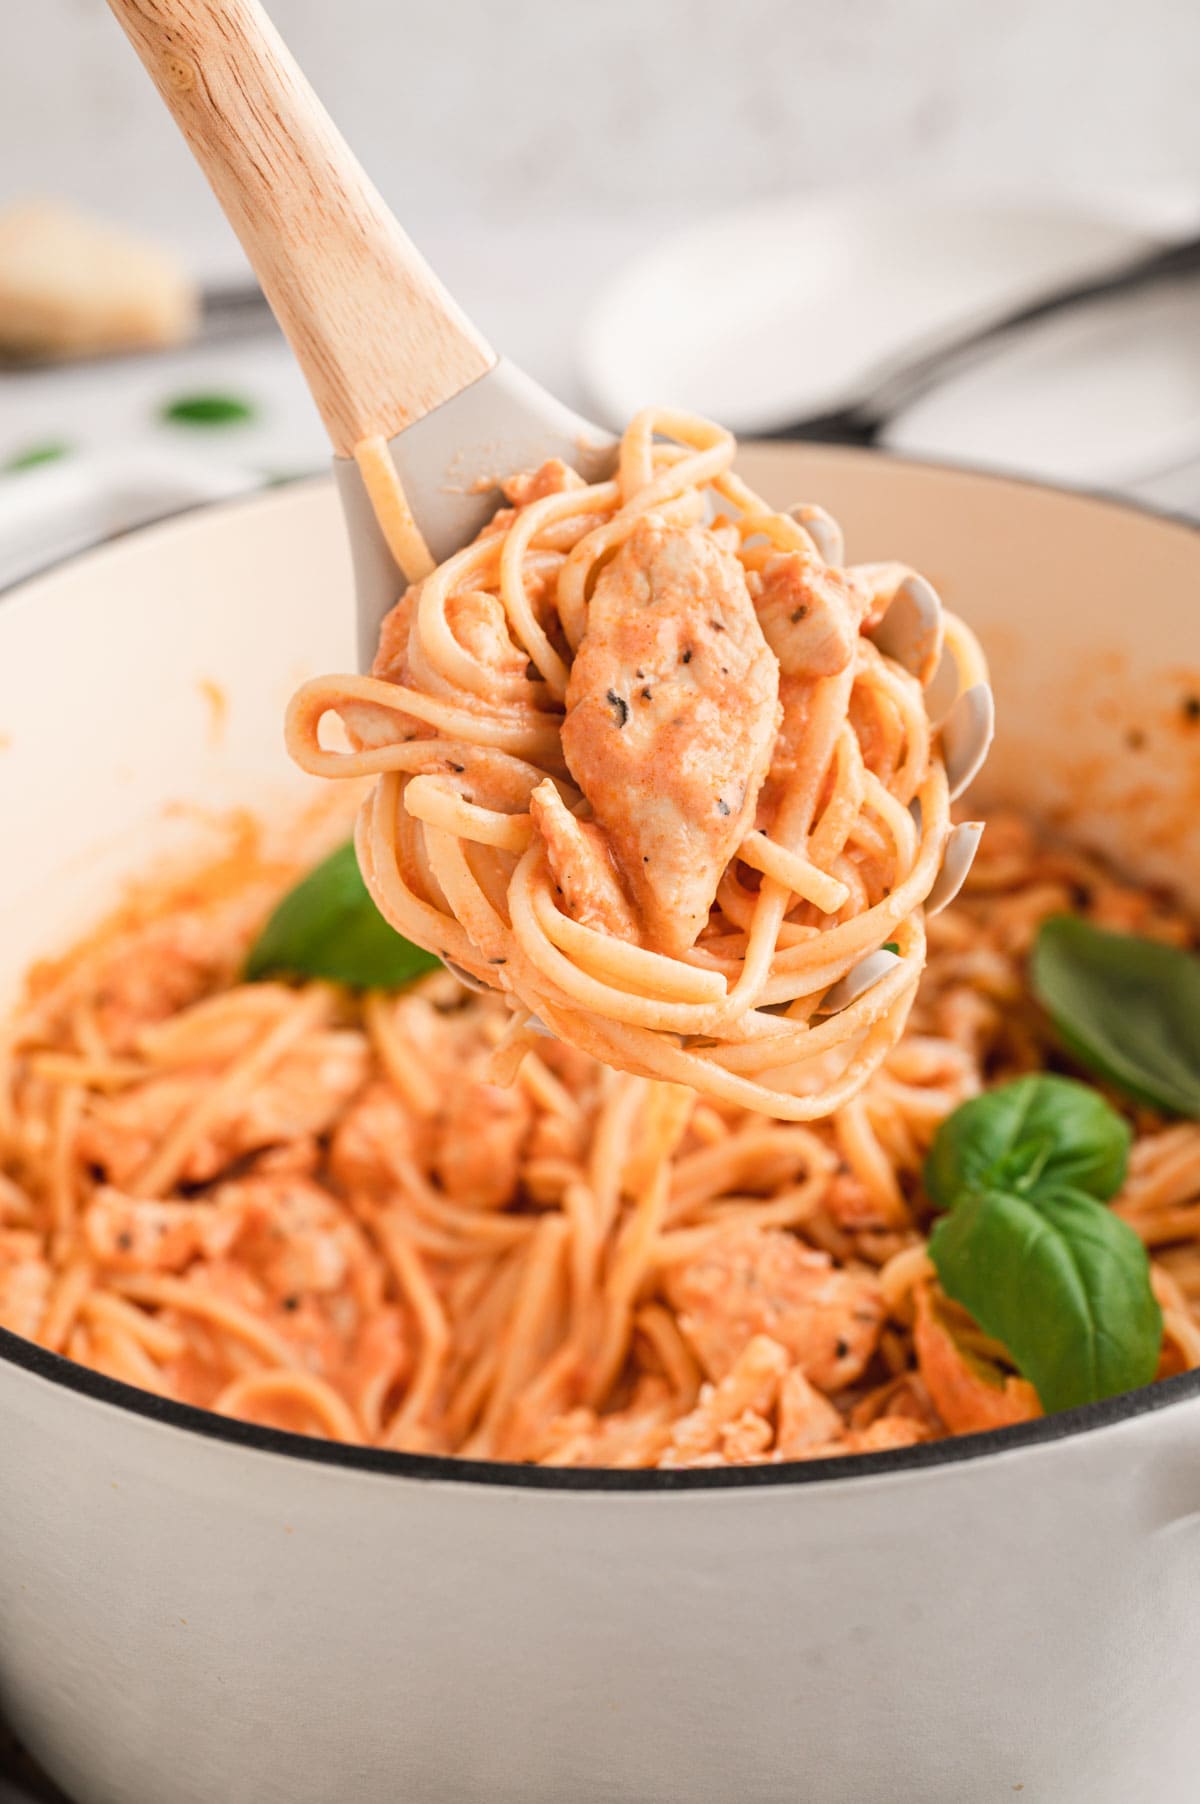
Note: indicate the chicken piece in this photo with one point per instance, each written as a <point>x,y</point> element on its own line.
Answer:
<point>632,1436</point>
<point>304,1093</point>
<point>480,1136</point>
<point>970,1394</point>
<point>551,478</point>
<point>806,1418</point>
<point>376,1131</point>
<point>851,1206</point>
<point>558,1137</point>
<point>132,1234</point>
<point>301,1096</point>
<point>151,974</point>
<point>582,866</point>
<point>763,1281</point>
<point>480,625</point>
<point>281,1248</point>
<point>808,614</point>
<point>294,1236</point>
<point>746,1441</point>
<point>672,710</point>
<point>887,1433</point>
<point>302,1266</point>
<point>748,1388</point>
<point>120,1132</point>
<point>883,1436</point>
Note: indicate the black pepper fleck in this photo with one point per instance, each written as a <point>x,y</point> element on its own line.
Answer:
<point>646,694</point>
<point>1191,707</point>
<point>291,1303</point>
<point>842,1348</point>
<point>687,656</point>
<point>458,769</point>
<point>497,961</point>
<point>722,805</point>
<point>799,613</point>
<point>125,1242</point>
<point>718,626</point>
<point>620,705</point>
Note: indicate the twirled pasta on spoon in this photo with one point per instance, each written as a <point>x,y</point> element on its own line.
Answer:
<point>655,763</point>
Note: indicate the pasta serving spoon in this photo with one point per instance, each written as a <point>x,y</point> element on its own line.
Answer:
<point>386,352</point>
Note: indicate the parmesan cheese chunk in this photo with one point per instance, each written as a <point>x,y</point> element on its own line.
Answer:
<point>71,286</point>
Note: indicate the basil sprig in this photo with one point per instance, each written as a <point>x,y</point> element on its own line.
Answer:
<point>1127,1008</point>
<point>1033,1134</point>
<point>208,410</point>
<point>1028,1246</point>
<point>328,926</point>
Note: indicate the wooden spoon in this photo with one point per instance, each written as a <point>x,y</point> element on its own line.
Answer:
<point>383,347</point>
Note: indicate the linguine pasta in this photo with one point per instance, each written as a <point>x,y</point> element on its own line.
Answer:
<point>316,1212</point>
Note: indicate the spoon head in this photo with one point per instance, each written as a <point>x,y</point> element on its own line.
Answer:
<point>450,464</point>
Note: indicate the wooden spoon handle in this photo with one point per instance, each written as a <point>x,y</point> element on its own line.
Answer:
<point>379,340</point>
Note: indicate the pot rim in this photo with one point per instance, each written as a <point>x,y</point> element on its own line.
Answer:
<point>1068,1424</point>
<point>55,1368</point>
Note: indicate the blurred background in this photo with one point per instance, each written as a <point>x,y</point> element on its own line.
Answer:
<point>758,210</point>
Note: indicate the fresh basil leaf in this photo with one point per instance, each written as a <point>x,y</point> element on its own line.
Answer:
<point>1062,1282</point>
<point>208,410</point>
<point>328,926</point>
<point>1033,1134</point>
<point>48,452</point>
<point>1127,1008</point>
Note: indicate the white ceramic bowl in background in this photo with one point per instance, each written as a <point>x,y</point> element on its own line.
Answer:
<point>769,313</point>
<point>193,1611</point>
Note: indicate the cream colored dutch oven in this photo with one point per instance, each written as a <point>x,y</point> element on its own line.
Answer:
<point>193,1611</point>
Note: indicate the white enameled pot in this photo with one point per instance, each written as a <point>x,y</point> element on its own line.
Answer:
<point>197,1612</point>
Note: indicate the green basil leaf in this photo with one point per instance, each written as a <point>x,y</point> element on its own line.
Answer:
<point>328,926</point>
<point>1034,1134</point>
<point>208,410</point>
<point>48,452</point>
<point>1062,1282</point>
<point>1127,1008</point>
